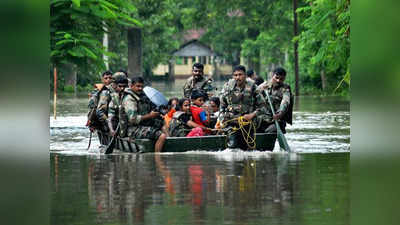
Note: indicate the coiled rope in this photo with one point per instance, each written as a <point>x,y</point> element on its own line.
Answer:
<point>248,137</point>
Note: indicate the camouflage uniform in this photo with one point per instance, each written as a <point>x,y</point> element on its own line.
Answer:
<point>133,107</point>
<point>113,108</point>
<point>236,102</point>
<point>104,100</point>
<point>282,101</point>
<point>178,126</point>
<point>204,84</point>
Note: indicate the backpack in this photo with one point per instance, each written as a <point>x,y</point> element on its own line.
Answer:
<point>92,120</point>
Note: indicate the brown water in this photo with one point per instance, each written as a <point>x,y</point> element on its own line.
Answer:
<point>310,186</point>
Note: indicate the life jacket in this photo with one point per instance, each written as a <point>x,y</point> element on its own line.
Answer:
<point>168,116</point>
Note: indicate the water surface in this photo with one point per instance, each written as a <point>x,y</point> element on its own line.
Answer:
<point>310,186</point>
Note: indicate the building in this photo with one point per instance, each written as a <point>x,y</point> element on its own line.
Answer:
<point>189,53</point>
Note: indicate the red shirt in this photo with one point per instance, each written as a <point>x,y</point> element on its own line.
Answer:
<point>199,115</point>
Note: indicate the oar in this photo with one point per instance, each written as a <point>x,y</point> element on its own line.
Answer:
<point>111,145</point>
<point>281,137</point>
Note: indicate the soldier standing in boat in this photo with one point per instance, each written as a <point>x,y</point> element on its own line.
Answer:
<point>282,101</point>
<point>138,118</point>
<point>104,99</point>
<point>239,98</point>
<point>198,81</point>
<point>120,83</point>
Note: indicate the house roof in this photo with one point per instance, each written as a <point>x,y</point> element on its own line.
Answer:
<point>194,48</point>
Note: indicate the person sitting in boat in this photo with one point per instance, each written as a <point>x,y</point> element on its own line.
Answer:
<point>213,110</point>
<point>200,116</point>
<point>138,118</point>
<point>282,101</point>
<point>182,124</point>
<point>120,83</point>
<point>198,81</point>
<point>172,103</point>
<point>240,105</point>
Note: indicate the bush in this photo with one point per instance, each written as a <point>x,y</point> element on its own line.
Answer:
<point>69,88</point>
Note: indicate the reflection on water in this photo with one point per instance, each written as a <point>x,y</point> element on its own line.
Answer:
<point>200,189</point>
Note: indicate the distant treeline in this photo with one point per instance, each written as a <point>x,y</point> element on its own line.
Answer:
<point>261,32</point>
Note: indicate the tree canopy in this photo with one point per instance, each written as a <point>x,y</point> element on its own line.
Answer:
<point>258,32</point>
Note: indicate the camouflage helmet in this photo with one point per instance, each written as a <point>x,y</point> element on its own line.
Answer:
<point>118,74</point>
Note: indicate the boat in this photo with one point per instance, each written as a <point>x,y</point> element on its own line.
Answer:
<point>264,141</point>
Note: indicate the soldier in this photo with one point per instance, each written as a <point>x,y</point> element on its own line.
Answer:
<point>257,79</point>
<point>137,116</point>
<point>198,81</point>
<point>120,82</point>
<point>239,98</point>
<point>104,98</point>
<point>282,101</point>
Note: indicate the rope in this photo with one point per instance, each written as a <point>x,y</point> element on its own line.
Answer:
<point>246,134</point>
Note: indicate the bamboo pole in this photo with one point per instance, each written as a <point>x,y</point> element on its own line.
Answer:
<point>55,94</point>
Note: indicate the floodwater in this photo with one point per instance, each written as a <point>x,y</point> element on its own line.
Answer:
<point>309,186</point>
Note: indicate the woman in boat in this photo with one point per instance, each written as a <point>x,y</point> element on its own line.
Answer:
<point>182,124</point>
<point>213,110</point>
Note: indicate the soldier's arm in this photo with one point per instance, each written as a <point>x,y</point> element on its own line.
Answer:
<point>111,115</point>
<point>209,88</point>
<point>186,90</point>
<point>102,106</point>
<point>131,110</point>
<point>284,106</point>
<point>223,104</point>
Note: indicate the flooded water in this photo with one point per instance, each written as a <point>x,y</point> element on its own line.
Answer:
<point>309,186</point>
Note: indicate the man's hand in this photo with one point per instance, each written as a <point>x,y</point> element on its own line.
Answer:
<point>207,129</point>
<point>153,114</point>
<point>249,116</point>
<point>277,116</point>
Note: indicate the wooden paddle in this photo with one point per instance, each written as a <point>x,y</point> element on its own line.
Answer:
<point>281,137</point>
<point>111,145</point>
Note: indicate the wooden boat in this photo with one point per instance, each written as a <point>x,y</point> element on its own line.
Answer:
<point>264,141</point>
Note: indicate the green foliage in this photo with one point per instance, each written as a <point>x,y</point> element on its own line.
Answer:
<point>69,88</point>
<point>77,28</point>
<point>260,32</point>
<point>324,43</point>
<point>161,28</point>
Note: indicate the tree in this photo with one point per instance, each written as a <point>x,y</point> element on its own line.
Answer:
<point>77,27</point>
<point>325,42</point>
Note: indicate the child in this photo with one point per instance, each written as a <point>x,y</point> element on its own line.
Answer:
<point>200,116</point>
<point>181,124</point>
<point>172,103</point>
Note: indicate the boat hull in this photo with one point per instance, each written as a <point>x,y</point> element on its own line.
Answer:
<point>264,142</point>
